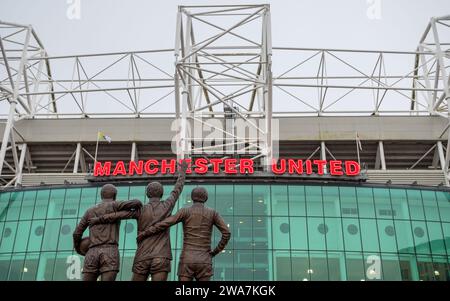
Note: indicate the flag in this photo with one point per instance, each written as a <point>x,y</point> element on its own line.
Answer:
<point>102,135</point>
<point>358,142</point>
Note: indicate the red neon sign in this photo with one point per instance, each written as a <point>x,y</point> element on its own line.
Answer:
<point>228,166</point>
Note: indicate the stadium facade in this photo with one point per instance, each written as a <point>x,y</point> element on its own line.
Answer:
<point>364,192</point>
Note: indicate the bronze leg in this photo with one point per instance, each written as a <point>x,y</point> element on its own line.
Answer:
<point>184,278</point>
<point>204,279</point>
<point>90,276</point>
<point>160,276</point>
<point>139,277</point>
<point>109,276</point>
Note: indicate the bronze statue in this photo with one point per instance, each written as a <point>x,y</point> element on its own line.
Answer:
<point>198,221</point>
<point>102,256</point>
<point>153,255</point>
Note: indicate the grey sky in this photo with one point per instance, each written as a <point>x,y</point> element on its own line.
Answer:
<point>136,24</point>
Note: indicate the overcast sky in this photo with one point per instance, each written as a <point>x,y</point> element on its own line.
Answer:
<point>115,25</point>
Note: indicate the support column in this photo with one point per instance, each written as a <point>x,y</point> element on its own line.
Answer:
<point>382,158</point>
<point>133,152</point>
<point>442,161</point>
<point>323,155</point>
<point>19,168</point>
<point>77,158</point>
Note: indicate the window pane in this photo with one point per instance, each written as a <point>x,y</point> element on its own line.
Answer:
<point>223,266</point>
<point>421,240</point>
<point>408,267</point>
<point>23,231</point>
<point>71,203</point>
<point>399,204</point>
<point>354,266</point>
<point>60,268</point>
<point>430,205</point>
<point>300,266</point>
<point>56,203</point>
<point>243,199</point>
<point>318,268</point>
<point>436,238</point>
<point>4,201</point>
<point>65,242</point>
<point>130,234</point>
<point>5,260</point>
<point>8,237</point>
<point>336,266</point>
<point>279,200</point>
<point>30,266</point>
<point>262,231</point>
<point>314,205</point>
<point>366,206</point>
<point>391,267</point>
<point>443,200</point>
<point>281,230</point>
<point>352,234</point>
<point>46,265</point>
<point>122,193</point>
<point>243,232</point>
<point>26,211</point>
<point>334,234</point>
<point>446,229</point>
<point>185,197</point>
<point>415,204</point>
<point>282,265</point>
<point>224,199</point>
<point>425,267</point>
<point>261,203</point>
<point>126,259</point>
<point>441,268</point>
<point>316,233</point>
<point>369,235</point>
<point>331,201</point>
<point>50,239</point>
<point>41,206</point>
<point>14,205</point>
<point>404,237</point>
<point>16,267</point>
<point>243,265</point>
<point>211,189</point>
<point>262,268</point>
<point>88,199</point>
<point>138,192</point>
<point>299,238</point>
<point>297,204</point>
<point>36,234</point>
<point>382,203</point>
<point>386,232</point>
<point>348,201</point>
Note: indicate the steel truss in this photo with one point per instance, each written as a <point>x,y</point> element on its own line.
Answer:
<point>224,70</point>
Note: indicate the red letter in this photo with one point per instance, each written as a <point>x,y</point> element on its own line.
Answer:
<point>295,166</point>
<point>230,166</point>
<point>138,168</point>
<point>100,171</point>
<point>201,166</point>
<point>215,163</point>
<point>352,168</point>
<point>120,169</point>
<point>308,167</point>
<point>172,166</point>
<point>246,166</point>
<point>320,165</point>
<point>336,168</point>
<point>149,170</point>
<point>280,170</point>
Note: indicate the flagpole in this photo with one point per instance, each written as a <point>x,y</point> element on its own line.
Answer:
<point>96,149</point>
<point>357,148</point>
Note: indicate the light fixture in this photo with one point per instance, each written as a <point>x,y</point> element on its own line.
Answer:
<point>363,279</point>
<point>305,279</point>
<point>241,222</point>
<point>260,201</point>
<point>228,225</point>
<point>437,273</point>
<point>25,269</point>
<point>259,220</point>
<point>310,271</point>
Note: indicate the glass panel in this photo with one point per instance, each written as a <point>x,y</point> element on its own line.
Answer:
<point>8,237</point>
<point>415,204</point>
<point>331,202</point>
<point>355,266</point>
<point>297,204</point>
<point>130,234</point>
<point>60,268</point>
<point>224,199</point>
<point>425,267</point>
<point>243,199</point>
<point>261,197</point>
<point>300,266</point>
<point>5,260</point>
<point>262,232</point>
<point>299,237</point>
<point>386,232</point>
<point>436,238</point>
<point>443,200</point>
<point>138,192</point>
<point>317,229</point>
<point>399,204</point>
<point>391,267</point>
<point>369,235</point>
<point>446,229</point>
<point>334,234</point>
<point>279,200</point>
<point>4,201</point>
<point>23,231</point>
<point>16,267</point>
<point>30,266</point>
<point>366,206</point>
<point>408,267</point>
<point>223,266</point>
<point>421,240</point>
<point>314,206</point>
<point>243,265</point>
<point>126,259</point>
<point>282,261</point>
<point>27,208</point>
<point>352,234</point>
<point>336,266</point>
<point>36,234</point>
<point>14,205</point>
<point>41,206</point>
<point>88,199</point>
<point>71,203</point>
<point>281,233</point>
<point>50,240</point>
<point>441,268</point>
<point>262,264</point>
<point>212,195</point>
<point>318,268</point>
<point>430,205</point>
<point>243,232</point>
<point>122,193</point>
<point>65,242</point>
<point>56,203</point>
<point>349,206</point>
<point>404,237</point>
<point>382,203</point>
<point>46,265</point>
<point>185,197</point>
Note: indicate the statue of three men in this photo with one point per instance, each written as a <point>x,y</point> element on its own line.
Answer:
<point>153,255</point>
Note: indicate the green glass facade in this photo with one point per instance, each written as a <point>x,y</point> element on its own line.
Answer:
<point>279,232</point>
